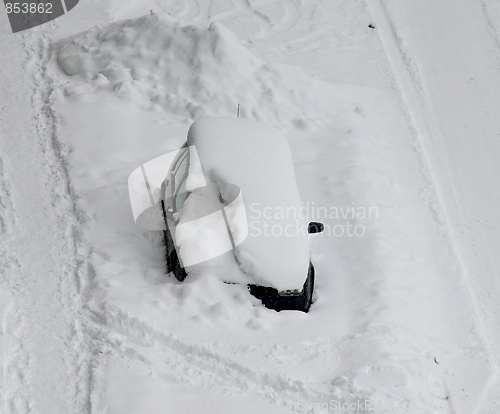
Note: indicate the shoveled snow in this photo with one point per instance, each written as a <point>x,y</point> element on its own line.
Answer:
<point>158,64</point>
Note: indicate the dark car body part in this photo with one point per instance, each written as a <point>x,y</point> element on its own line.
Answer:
<point>272,299</point>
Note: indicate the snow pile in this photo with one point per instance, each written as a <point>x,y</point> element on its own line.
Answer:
<point>190,71</point>
<point>257,159</point>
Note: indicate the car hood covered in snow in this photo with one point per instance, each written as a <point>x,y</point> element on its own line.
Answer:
<point>256,158</point>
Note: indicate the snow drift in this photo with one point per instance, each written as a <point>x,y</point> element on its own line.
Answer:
<point>190,71</point>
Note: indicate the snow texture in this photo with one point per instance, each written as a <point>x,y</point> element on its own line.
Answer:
<point>403,120</point>
<point>190,71</point>
<point>257,159</point>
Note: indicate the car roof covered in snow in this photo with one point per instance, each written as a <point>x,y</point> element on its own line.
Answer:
<point>257,159</point>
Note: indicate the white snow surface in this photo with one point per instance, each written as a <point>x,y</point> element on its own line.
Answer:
<point>256,158</point>
<point>159,64</point>
<point>405,315</point>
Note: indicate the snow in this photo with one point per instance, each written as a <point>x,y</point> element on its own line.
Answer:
<point>156,63</point>
<point>461,138</point>
<point>404,315</point>
<point>257,159</point>
<point>43,258</point>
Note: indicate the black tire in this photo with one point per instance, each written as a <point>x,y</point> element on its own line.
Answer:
<point>271,298</point>
<point>179,272</point>
<point>173,262</point>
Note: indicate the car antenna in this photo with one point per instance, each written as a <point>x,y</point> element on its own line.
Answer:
<point>238,113</point>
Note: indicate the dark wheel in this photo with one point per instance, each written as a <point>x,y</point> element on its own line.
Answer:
<point>173,262</point>
<point>179,272</point>
<point>271,298</point>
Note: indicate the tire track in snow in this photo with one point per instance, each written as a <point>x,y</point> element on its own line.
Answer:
<point>6,208</point>
<point>251,8</point>
<point>15,391</point>
<point>16,358</point>
<point>167,356</point>
<point>491,398</point>
<point>73,289</point>
<point>47,360</point>
<point>271,27</point>
<point>491,11</point>
<point>406,70</point>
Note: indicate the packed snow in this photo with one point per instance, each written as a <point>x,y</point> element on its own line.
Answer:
<point>369,95</point>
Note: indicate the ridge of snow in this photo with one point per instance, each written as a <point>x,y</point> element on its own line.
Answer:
<point>156,63</point>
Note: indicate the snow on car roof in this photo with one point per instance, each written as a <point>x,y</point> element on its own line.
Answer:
<point>257,158</point>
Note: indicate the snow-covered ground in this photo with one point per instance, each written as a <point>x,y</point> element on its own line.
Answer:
<point>394,137</point>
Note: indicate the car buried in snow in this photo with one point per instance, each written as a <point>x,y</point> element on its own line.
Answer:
<point>230,205</point>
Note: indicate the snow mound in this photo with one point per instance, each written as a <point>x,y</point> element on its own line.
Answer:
<point>189,71</point>
<point>257,159</point>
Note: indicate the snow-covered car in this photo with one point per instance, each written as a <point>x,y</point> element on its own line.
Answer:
<point>230,202</point>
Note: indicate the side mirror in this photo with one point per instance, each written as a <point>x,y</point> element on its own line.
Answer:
<point>315,227</point>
